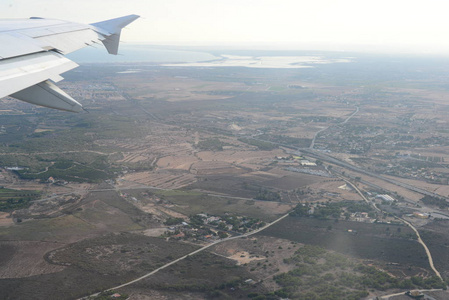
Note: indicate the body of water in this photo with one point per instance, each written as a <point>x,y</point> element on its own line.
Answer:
<point>139,53</point>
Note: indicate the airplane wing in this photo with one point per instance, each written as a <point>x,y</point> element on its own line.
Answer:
<point>32,56</point>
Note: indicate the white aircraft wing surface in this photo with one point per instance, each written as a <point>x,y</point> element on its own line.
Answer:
<point>32,56</point>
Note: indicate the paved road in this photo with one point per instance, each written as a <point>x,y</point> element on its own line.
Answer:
<point>429,255</point>
<point>361,194</point>
<point>192,253</point>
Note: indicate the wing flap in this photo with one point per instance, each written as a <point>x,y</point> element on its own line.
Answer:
<point>49,95</point>
<point>21,72</point>
<point>70,41</point>
<point>12,46</point>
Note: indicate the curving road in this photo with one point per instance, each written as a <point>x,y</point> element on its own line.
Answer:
<point>429,255</point>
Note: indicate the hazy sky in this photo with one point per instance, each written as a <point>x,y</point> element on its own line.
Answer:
<point>410,26</point>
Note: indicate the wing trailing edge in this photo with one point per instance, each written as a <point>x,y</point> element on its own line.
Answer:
<point>49,95</point>
<point>22,72</point>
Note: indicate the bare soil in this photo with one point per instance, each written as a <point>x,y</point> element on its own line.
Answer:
<point>25,259</point>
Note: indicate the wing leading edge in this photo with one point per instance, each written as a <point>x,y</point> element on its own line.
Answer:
<point>31,56</point>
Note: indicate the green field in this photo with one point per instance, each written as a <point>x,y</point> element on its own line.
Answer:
<point>16,199</point>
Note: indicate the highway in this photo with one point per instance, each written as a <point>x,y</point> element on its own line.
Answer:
<point>327,158</point>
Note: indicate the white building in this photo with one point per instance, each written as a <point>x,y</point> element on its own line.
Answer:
<point>387,198</point>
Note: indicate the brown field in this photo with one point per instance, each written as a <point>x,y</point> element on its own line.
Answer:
<point>155,232</point>
<point>6,219</point>
<point>436,188</point>
<point>293,181</point>
<point>177,162</point>
<point>215,168</point>
<point>161,179</point>
<point>133,157</point>
<point>287,180</point>
<point>26,259</point>
<point>238,157</point>
<point>162,212</point>
<point>173,148</point>
<point>243,257</point>
<point>306,131</point>
<point>261,176</point>
<point>332,186</point>
<point>273,207</point>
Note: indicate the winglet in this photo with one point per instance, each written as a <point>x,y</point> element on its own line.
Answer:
<point>111,30</point>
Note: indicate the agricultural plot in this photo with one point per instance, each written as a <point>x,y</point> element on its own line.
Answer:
<point>162,179</point>
<point>133,158</point>
<point>181,162</point>
<point>15,199</point>
<point>215,168</point>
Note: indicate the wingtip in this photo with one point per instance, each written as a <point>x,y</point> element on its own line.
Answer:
<point>114,26</point>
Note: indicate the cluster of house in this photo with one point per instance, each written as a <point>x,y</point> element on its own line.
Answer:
<point>361,217</point>
<point>209,227</point>
<point>52,180</point>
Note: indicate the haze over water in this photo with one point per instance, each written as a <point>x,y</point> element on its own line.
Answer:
<point>139,53</point>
